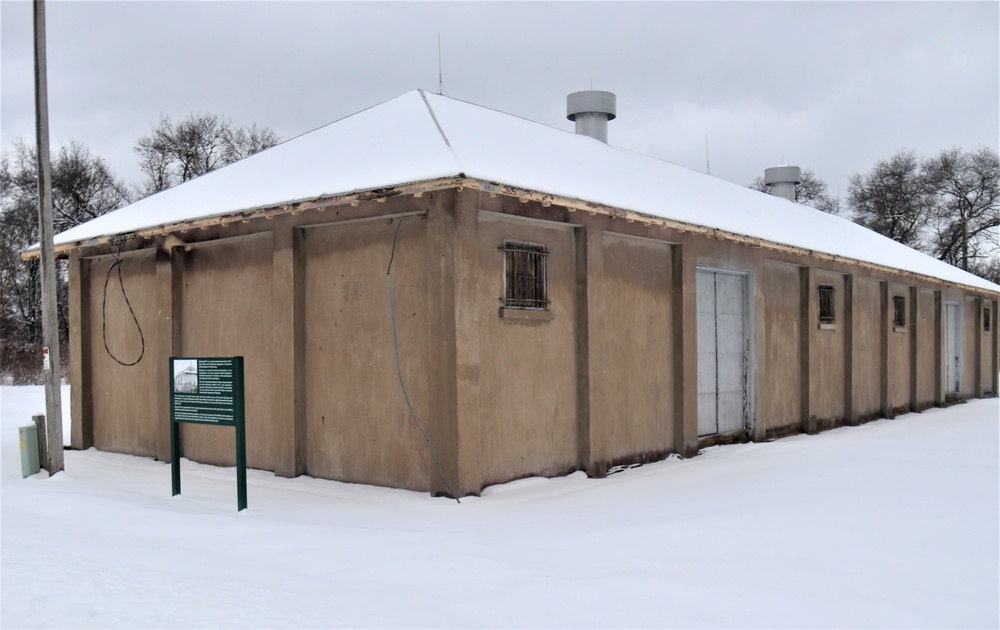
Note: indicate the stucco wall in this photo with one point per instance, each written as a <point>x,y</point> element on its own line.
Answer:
<point>528,368</point>
<point>226,311</point>
<point>900,345</point>
<point>869,329</point>
<point>601,381</point>
<point>124,417</point>
<point>779,402</point>
<point>357,424</point>
<point>633,354</point>
<point>827,392</point>
<point>928,362</point>
<point>988,360</point>
<point>971,337</point>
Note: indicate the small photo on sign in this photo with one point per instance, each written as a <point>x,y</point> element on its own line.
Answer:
<point>186,376</point>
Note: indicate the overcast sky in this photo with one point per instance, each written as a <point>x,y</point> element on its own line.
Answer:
<point>828,86</point>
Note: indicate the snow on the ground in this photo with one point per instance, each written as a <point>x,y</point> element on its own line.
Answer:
<point>891,524</point>
<point>21,403</point>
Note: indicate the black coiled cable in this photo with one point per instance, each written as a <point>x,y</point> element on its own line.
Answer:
<point>116,244</point>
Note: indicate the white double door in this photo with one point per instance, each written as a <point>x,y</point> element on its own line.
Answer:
<point>723,351</point>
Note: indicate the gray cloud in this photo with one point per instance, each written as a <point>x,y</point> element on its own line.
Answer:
<point>830,86</point>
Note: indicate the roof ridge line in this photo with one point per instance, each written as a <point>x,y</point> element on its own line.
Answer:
<point>440,129</point>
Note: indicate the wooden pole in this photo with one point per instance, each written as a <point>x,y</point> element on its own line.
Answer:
<point>50,316</point>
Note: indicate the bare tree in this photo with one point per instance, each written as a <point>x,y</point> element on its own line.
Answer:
<point>811,191</point>
<point>245,141</point>
<point>967,213</point>
<point>947,206</point>
<point>20,283</point>
<point>988,268</point>
<point>175,153</point>
<point>893,199</point>
<point>83,187</point>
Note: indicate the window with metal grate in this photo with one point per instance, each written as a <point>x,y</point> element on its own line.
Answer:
<point>898,311</point>
<point>524,275</point>
<point>827,314</point>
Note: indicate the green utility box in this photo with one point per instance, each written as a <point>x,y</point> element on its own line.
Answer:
<point>29,449</point>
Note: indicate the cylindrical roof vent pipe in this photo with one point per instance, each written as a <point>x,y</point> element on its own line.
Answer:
<point>591,110</point>
<point>781,180</point>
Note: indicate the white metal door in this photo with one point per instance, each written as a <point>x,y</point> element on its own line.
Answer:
<point>722,352</point>
<point>952,361</point>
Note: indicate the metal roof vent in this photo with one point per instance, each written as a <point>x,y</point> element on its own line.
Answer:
<point>781,180</point>
<point>591,110</point>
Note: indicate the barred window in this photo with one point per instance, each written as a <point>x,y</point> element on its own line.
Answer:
<point>827,315</point>
<point>898,311</point>
<point>524,275</point>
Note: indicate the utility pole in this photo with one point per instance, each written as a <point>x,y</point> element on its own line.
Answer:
<point>50,317</point>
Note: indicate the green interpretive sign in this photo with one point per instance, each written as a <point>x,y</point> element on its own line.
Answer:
<point>205,390</point>
<point>208,390</point>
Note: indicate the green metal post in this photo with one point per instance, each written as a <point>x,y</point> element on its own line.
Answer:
<point>175,457</point>
<point>241,439</point>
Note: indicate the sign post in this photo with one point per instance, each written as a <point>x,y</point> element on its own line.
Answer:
<point>208,391</point>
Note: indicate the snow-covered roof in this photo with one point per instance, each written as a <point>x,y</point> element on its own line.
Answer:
<point>421,137</point>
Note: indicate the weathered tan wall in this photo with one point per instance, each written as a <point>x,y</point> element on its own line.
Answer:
<point>900,364</point>
<point>779,402</point>
<point>971,338</point>
<point>633,414</point>
<point>528,368</point>
<point>226,311</point>
<point>124,418</point>
<point>357,424</point>
<point>869,331</point>
<point>522,397</point>
<point>928,362</point>
<point>827,392</point>
<point>988,365</point>
<point>983,339</point>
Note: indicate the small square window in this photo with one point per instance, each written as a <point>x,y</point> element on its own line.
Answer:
<point>986,319</point>
<point>827,314</point>
<point>524,276</point>
<point>898,311</point>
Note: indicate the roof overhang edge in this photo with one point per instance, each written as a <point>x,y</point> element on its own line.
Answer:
<point>496,188</point>
<point>263,212</point>
<point>632,216</point>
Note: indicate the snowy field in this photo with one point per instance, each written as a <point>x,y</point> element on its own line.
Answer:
<point>891,524</point>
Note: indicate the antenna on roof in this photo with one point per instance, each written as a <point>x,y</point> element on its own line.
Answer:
<point>708,165</point>
<point>440,75</point>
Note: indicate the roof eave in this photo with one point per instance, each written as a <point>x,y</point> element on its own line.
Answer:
<point>493,188</point>
<point>294,207</point>
<point>632,216</point>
